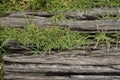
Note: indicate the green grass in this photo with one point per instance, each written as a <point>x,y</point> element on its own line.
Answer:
<point>61,5</point>
<point>57,5</point>
<point>45,39</point>
<point>52,38</point>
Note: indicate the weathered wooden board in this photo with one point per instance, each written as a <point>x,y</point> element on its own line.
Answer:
<point>82,77</point>
<point>95,13</point>
<point>24,77</point>
<point>78,69</point>
<point>74,77</point>
<point>96,25</point>
<point>42,19</point>
<point>80,58</point>
<point>66,65</point>
<point>101,49</point>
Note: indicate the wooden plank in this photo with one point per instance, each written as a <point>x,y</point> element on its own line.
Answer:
<point>58,68</point>
<point>23,77</point>
<point>39,18</point>
<point>101,49</point>
<point>89,50</point>
<point>34,76</point>
<point>73,77</point>
<point>74,57</point>
<point>95,13</point>
<point>92,77</point>
<point>96,25</point>
<point>66,63</point>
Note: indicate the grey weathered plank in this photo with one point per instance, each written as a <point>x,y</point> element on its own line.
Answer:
<point>108,25</point>
<point>95,57</point>
<point>57,68</point>
<point>39,18</point>
<point>24,77</point>
<point>94,13</point>
<point>71,77</point>
<point>13,45</point>
<point>74,61</point>
<point>90,77</point>
<point>66,65</point>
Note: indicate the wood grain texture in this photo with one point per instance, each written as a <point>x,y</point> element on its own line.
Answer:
<point>66,65</point>
<point>95,13</point>
<point>87,21</point>
<point>96,25</point>
<point>74,77</point>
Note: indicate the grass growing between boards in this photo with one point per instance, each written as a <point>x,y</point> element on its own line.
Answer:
<point>47,39</point>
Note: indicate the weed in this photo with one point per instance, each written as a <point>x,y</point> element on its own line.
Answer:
<point>103,38</point>
<point>46,39</point>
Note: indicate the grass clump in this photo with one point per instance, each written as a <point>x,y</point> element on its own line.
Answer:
<point>103,38</point>
<point>45,39</point>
